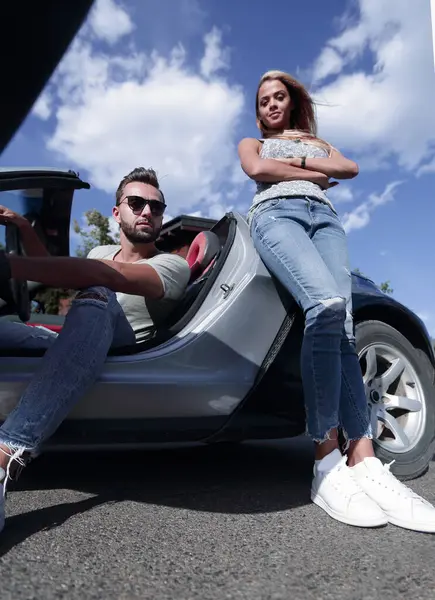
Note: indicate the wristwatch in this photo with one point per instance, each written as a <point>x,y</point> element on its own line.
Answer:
<point>303,159</point>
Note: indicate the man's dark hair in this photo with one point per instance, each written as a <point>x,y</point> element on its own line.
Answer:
<point>142,175</point>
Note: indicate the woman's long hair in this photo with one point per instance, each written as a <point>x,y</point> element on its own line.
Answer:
<point>303,123</point>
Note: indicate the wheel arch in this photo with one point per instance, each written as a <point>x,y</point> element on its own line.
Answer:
<point>400,320</point>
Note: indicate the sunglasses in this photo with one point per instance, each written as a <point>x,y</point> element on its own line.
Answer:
<point>137,204</point>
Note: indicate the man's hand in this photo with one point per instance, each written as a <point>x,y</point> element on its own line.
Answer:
<point>9,216</point>
<point>33,246</point>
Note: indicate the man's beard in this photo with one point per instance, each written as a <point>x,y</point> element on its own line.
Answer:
<point>137,236</point>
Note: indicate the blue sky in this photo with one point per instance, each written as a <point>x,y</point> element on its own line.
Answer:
<point>171,84</point>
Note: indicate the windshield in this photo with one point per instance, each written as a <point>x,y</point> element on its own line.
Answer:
<point>23,202</point>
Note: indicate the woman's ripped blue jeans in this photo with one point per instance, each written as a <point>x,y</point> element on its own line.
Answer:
<point>303,244</point>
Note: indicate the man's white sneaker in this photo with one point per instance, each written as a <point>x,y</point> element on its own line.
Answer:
<point>16,455</point>
<point>402,506</point>
<point>334,489</point>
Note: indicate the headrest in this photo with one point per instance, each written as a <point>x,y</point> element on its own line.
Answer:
<point>202,251</point>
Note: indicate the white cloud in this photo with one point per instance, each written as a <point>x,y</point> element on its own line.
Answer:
<point>215,57</point>
<point>42,107</point>
<point>115,112</point>
<point>328,63</point>
<point>360,216</point>
<point>427,168</point>
<point>217,211</point>
<point>109,21</point>
<point>341,194</point>
<point>385,111</point>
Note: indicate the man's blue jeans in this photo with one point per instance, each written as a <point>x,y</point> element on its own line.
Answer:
<point>303,244</point>
<point>72,363</point>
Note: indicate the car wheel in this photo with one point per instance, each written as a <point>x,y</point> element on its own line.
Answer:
<point>398,381</point>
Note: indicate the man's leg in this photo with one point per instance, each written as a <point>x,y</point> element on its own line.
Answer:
<point>72,363</point>
<point>15,335</point>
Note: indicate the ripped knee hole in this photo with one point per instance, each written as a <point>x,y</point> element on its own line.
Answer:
<point>91,296</point>
<point>333,302</point>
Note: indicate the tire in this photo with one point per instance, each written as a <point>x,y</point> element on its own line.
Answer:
<point>405,432</point>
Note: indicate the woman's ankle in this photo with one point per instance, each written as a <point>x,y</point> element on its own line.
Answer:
<point>322,449</point>
<point>359,450</point>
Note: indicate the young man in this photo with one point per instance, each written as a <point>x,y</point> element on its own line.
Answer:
<point>125,290</point>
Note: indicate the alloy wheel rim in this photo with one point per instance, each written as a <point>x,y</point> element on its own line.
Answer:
<point>395,397</point>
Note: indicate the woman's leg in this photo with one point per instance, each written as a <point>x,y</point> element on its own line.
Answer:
<point>330,240</point>
<point>400,505</point>
<point>281,235</point>
<point>281,232</point>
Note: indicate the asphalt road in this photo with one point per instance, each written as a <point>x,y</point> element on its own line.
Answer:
<point>202,523</point>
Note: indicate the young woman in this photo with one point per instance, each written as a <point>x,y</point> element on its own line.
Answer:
<point>301,240</point>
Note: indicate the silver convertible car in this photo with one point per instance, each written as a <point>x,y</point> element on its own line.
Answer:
<point>225,367</point>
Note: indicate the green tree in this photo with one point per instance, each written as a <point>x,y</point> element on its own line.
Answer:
<point>50,299</point>
<point>96,232</point>
<point>384,286</point>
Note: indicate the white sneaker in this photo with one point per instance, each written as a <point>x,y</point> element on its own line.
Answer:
<point>402,506</point>
<point>334,489</point>
<point>5,476</point>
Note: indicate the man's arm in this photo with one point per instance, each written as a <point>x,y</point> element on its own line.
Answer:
<point>33,246</point>
<point>81,273</point>
<point>270,170</point>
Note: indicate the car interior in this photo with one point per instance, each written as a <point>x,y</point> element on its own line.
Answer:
<point>205,252</point>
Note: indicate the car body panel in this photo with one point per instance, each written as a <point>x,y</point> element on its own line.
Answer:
<point>205,370</point>
<point>369,302</point>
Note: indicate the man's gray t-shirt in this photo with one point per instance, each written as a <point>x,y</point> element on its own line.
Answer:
<point>142,313</point>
